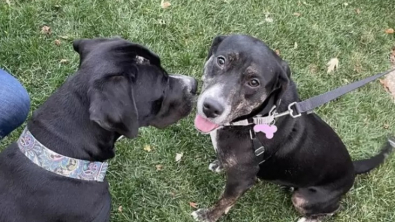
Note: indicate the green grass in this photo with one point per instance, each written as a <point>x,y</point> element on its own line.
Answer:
<point>325,29</point>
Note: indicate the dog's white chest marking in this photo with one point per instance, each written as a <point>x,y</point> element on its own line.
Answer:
<point>213,136</point>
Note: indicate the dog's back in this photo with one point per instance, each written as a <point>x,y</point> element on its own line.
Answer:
<point>26,189</point>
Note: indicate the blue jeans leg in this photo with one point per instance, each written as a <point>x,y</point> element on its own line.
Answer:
<point>14,103</point>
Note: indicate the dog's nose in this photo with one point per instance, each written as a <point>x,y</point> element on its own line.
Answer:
<point>212,108</point>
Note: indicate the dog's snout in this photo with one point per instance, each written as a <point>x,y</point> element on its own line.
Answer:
<point>190,82</point>
<point>212,108</point>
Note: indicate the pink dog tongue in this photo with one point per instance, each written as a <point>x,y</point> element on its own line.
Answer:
<point>204,125</point>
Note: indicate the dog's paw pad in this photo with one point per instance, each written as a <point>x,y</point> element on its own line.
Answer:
<point>200,215</point>
<point>215,166</point>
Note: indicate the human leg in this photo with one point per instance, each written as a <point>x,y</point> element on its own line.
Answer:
<point>14,103</point>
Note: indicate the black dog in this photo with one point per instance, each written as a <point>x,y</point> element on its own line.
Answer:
<point>119,87</point>
<point>244,77</point>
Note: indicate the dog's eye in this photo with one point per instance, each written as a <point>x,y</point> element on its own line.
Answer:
<point>221,61</point>
<point>253,83</point>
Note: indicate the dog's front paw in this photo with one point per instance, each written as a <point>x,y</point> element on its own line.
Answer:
<point>215,166</point>
<point>304,219</point>
<point>201,215</point>
<point>287,189</point>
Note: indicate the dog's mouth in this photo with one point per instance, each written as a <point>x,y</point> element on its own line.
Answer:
<point>204,125</point>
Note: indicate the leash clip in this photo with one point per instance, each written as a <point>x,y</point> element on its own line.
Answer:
<point>291,111</point>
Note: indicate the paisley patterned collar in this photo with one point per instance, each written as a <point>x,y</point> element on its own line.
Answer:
<point>59,164</point>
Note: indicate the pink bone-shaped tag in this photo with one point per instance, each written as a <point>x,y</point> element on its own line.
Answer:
<point>268,130</point>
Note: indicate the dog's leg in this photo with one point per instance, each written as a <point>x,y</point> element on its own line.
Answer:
<point>216,165</point>
<point>238,182</point>
<point>315,203</point>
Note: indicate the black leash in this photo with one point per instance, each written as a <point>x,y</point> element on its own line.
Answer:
<point>296,109</point>
<point>309,104</point>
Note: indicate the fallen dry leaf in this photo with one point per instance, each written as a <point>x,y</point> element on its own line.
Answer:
<point>392,57</point>
<point>46,30</point>
<point>165,4</point>
<point>193,205</point>
<point>120,209</point>
<point>57,42</point>
<point>295,45</point>
<point>390,31</point>
<point>179,156</point>
<point>389,81</point>
<point>332,65</point>
<point>277,52</point>
<point>64,61</point>
<point>386,126</point>
<point>159,167</point>
<point>384,84</point>
<point>358,11</point>
<point>147,148</point>
<point>297,14</point>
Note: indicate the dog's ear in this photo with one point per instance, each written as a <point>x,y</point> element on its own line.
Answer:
<point>214,45</point>
<point>84,46</point>
<point>286,68</point>
<point>112,104</point>
<point>139,50</point>
<point>282,81</point>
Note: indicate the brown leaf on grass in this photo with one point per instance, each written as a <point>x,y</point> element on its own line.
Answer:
<point>165,4</point>
<point>64,61</point>
<point>392,57</point>
<point>389,81</point>
<point>358,11</point>
<point>120,209</point>
<point>277,52</point>
<point>46,30</point>
<point>193,205</point>
<point>384,84</point>
<point>159,167</point>
<point>386,126</point>
<point>57,42</point>
<point>390,31</point>
<point>147,148</point>
<point>297,14</point>
<point>332,64</point>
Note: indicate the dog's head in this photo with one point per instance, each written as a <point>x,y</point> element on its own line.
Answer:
<point>128,88</point>
<point>242,75</point>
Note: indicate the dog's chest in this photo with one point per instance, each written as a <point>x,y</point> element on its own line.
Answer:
<point>213,136</point>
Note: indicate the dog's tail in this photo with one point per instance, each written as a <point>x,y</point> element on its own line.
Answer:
<point>364,166</point>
